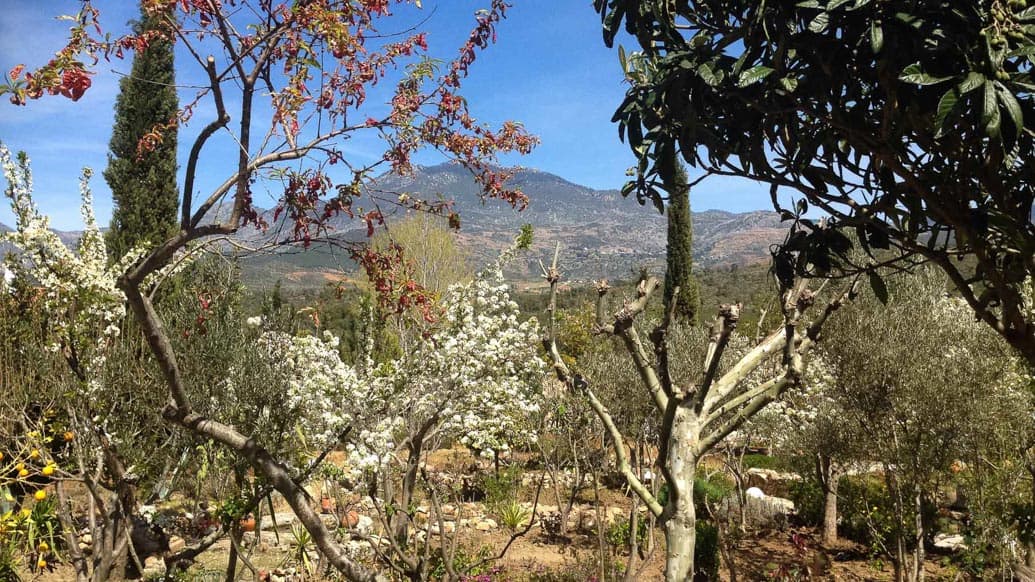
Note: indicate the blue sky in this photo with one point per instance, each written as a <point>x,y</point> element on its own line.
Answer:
<point>549,70</point>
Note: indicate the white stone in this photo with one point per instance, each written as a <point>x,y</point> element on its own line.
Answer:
<point>755,493</point>
<point>950,542</point>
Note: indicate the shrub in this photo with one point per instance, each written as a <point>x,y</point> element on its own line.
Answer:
<point>706,552</point>
<point>867,514</point>
<point>712,489</point>
<point>760,461</point>
<point>501,488</point>
<point>513,515</point>
<point>807,496</point>
<point>618,533</point>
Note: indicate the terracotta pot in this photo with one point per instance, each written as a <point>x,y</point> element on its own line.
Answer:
<point>247,524</point>
<point>350,519</point>
<point>327,505</point>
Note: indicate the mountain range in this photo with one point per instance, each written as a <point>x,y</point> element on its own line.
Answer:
<point>601,233</point>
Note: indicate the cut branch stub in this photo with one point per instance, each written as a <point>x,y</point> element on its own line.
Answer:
<point>805,299</point>
<point>730,313</point>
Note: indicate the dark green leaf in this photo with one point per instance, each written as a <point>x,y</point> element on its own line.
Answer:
<point>913,74</point>
<point>880,289</point>
<point>789,84</point>
<point>1026,15</point>
<point>972,81</point>
<point>990,111</point>
<point>876,36</point>
<point>819,23</point>
<point>753,75</point>
<point>877,238</point>
<point>1013,108</point>
<point>945,106</point>
<point>707,75</point>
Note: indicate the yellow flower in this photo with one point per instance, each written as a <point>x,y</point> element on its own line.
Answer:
<point>48,470</point>
<point>26,512</point>
<point>40,495</point>
<point>44,547</point>
<point>34,454</point>
<point>23,473</point>
<point>41,563</point>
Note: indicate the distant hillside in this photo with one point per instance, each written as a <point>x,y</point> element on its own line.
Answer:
<point>601,233</point>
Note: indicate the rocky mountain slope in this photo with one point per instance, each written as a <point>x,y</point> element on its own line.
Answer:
<point>601,233</point>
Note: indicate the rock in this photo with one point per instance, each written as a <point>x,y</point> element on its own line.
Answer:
<point>86,539</point>
<point>486,525</point>
<point>951,543</point>
<point>280,521</point>
<point>364,525</point>
<point>784,504</point>
<point>176,543</point>
<point>154,567</point>
<point>755,493</point>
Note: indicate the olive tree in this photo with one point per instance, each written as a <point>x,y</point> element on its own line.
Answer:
<point>908,124</point>
<point>918,412</point>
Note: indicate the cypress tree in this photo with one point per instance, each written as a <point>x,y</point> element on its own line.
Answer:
<point>144,189</point>
<point>679,255</point>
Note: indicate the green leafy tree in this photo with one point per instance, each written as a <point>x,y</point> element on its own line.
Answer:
<point>142,163</point>
<point>679,252</point>
<point>909,124</point>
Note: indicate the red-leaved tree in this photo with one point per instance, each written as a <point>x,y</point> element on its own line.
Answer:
<point>300,77</point>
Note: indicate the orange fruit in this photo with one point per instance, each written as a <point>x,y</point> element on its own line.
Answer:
<point>41,564</point>
<point>34,454</point>
<point>23,473</point>
<point>69,435</point>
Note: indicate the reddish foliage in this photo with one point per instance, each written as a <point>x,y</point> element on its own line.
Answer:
<point>391,274</point>
<point>316,61</point>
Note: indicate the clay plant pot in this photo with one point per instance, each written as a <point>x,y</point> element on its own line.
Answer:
<point>326,505</point>
<point>350,519</point>
<point>247,524</point>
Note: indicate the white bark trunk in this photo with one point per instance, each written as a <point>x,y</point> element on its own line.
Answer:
<point>680,513</point>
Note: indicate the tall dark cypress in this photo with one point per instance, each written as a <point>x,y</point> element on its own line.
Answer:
<point>679,255</point>
<point>144,188</point>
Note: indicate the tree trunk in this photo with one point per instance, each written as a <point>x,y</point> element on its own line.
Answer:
<point>917,575</point>
<point>680,513</point>
<point>1029,550</point>
<point>829,478</point>
<point>830,513</point>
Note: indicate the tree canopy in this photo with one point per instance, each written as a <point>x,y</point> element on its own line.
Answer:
<point>143,188</point>
<point>908,124</point>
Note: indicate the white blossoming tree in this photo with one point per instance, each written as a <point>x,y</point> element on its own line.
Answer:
<point>475,380</point>
<point>75,291</point>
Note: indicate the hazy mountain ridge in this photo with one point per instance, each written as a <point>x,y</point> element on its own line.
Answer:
<point>602,234</point>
